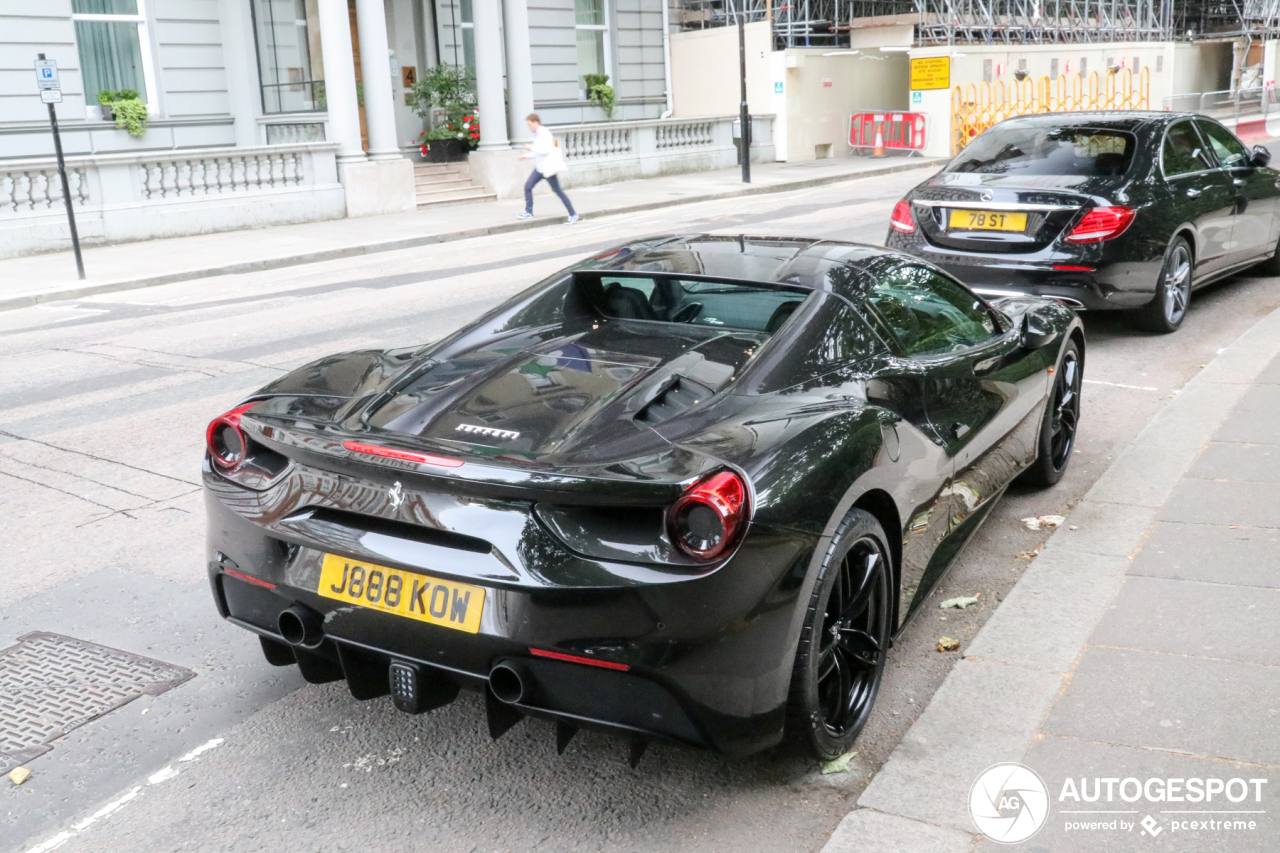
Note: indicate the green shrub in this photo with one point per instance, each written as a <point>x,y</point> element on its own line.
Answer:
<point>600,93</point>
<point>129,109</point>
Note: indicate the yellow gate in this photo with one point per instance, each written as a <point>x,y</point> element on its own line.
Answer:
<point>977,106</point>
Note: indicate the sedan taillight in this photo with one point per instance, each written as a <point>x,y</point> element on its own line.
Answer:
<point>1101,224</point>
<point>708,517</point>
<point>901,220</point>
<point>226,441</point>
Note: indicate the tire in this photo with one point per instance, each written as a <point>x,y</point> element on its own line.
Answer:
<point>845,640</point>
<point>1060,422</point>
<point>1168,308</point>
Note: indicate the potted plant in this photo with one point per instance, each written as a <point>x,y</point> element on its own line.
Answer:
<point>601,93</point>
<point>451,141</point>
<point>446,96</point>
<point>126,108</point>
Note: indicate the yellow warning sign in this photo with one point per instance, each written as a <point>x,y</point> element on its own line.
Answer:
<point>931,72</point>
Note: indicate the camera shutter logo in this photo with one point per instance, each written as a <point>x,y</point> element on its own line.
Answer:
<point>1009,803</point>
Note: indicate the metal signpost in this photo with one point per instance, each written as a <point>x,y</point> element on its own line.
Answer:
<point>50,94</point>
<point>744,116</point>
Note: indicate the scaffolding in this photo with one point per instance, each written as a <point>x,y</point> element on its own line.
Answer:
<point>827,23</point>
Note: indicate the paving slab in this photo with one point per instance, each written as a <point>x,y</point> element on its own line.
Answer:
<point>1264,399</point>
<point>983,714</point>
<point>1046,619</point>
<point>1194,618</point>
<point>1219,553</point>
<point>867,831</point>
<point>1239,502</point>
<point>1143,474</point>
<point>1203,405</point>
<point>1259,463</point>
<point>1056,759</point>
<point>1270,374</point>
<point>1097,527</point>
<point>1251,426</point>
<point>1214,708</point>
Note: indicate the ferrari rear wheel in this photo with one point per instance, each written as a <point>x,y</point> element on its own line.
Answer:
<point>845,640</point>
<point>1058,429</point>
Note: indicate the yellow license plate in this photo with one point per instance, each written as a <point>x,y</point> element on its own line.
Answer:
<point>987,220</point>
<point>427,599</point>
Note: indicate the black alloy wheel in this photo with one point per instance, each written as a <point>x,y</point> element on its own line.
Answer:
<point>1058,429</point>
<point>1168,308</point>
<point>845,641</point>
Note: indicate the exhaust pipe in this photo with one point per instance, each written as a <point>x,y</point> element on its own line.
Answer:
<point>510,682</point>
<point>301,626</point>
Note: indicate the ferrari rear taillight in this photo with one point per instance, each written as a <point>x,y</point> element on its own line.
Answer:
<point>1101,224</point>
<point>226,441</point>
<point>901,220</point>
<point>706,520</point>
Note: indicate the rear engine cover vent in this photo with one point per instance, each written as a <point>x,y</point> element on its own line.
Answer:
<point>678,396</point>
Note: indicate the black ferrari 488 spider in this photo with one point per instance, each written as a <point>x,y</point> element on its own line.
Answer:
<point>688,489</point>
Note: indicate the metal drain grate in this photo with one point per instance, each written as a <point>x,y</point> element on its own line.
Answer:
<point>50,684</point>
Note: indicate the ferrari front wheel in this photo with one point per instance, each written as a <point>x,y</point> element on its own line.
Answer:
<point>845,640</point>
<point>1058,428</point>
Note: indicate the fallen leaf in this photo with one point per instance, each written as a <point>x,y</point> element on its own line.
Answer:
<point>18,775</point>
<point>1029,555</point>
<point>1036,521</point>
<point>958,603</point>
<point>837,765</point>
<point>946,644</point>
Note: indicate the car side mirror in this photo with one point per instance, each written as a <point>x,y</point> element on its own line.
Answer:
<point>1261,157</point>
<point>1036,332</point>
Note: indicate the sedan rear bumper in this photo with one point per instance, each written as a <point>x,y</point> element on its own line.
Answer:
<point>1099,284</point>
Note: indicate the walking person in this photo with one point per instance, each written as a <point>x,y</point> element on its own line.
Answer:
<point>548,163</point>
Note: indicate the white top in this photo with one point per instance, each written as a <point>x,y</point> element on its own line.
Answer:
<point>543,144</point>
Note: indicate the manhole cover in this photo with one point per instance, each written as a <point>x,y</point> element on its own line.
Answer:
<point>50,684</point>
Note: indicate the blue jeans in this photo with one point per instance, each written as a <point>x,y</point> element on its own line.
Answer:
<point>554,182</point>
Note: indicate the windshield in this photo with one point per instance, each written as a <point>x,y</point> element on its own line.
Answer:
<point>751,307</point>
<point>1047,151</point>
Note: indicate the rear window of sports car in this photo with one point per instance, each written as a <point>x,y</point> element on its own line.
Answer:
<point>696,302</point>
<point>1047,151</point>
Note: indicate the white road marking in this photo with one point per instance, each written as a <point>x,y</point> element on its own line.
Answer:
<point>157,778</point>
<point>1119,385</point>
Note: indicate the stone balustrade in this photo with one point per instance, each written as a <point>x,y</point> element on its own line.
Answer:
<point>166,194</point>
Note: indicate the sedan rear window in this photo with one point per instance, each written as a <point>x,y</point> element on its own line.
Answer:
<point>1047,151</point>
<point>730,305</point>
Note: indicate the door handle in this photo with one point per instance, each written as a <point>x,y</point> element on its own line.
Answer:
<point>1193,193</point>
<point>959,430</point>
<point>1238,182</point>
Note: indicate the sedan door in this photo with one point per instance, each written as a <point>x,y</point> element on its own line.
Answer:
<point>982,394</point>
<point>1254,231</point>
<point>1200,193</point>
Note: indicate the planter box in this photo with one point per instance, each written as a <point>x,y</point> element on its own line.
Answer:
<point>445,150</point>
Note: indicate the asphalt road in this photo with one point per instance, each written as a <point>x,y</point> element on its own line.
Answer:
<point>103,403</point>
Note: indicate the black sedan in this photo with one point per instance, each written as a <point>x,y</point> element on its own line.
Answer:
<point>1099,210</point>
<point>686,489</point>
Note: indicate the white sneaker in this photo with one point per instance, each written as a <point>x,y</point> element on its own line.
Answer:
<point>524,214</point>
<point>571,219</point>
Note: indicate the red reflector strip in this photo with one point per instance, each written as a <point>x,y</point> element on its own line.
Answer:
<point>603,664</point>
<point>1067,268</point>
<point>403,455</point>
<point>249,579</point>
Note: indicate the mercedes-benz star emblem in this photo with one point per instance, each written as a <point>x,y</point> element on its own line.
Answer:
<point>396,495</point>
<point>987,195</point>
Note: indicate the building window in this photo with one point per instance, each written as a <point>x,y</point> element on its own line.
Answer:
<point>456,29</point>
<point>290,63</point>
<point>593,35</point>
<point>115,51</point>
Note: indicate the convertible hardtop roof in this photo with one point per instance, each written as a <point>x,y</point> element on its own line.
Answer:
<point>1126,120</point>
<point>799,262</point>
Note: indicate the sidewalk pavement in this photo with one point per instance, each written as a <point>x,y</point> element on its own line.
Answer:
<point>43,278</point>
<point>1142,642</point>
